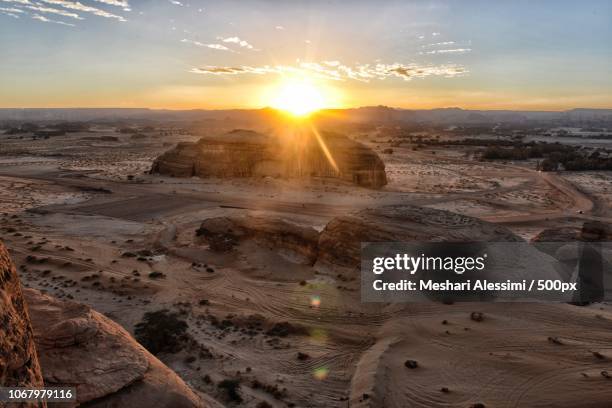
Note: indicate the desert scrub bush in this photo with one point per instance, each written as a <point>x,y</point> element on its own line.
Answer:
<point>161,331</point>
<point>231,387</point>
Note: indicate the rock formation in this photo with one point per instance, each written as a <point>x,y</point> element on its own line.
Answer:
<point>19,365</point>
<point>243,153</point>
<point>340,241</point>
<point>222,233</point>
<point>82,348</point>
<point>591,231</point>
<point>79,347</point>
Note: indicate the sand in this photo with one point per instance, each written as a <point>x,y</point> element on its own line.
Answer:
<point>70,204</point>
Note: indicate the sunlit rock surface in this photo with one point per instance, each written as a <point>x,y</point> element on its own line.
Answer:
<point>243,153</point>
<point>19,365</point>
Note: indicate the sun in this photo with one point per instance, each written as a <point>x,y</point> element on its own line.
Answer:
<point>299,98</point>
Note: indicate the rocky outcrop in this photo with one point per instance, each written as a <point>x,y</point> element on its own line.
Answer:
<point>243,153</point>
<point>592,231</point>
<point>340,241</point>
<point>551,239</point>
<point>59,343</point>
<point>19,365</point>
<point>223,233</point>
<point>339,244</point>
<point>81,348</point>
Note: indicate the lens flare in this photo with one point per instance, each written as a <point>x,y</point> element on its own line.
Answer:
<point>321,373</point>
<point>315,301</point>
<point>318,335</point>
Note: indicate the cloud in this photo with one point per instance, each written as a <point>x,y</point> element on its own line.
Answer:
<point>236,40</point>
<point>66,8</point>
<point>222,70</point>
<point>176,3</point>
<point>17,1</point>
<point>219,47</point>
<point>50,10</point>
<point>438,44</point>
<point>8,13</point>
<point>449,51</point>
<point>11,10</point>
<point>279,27</point>
<point>77,6</point>
<point>334,70</point>
<point>118,3</point>
<point>46,20</point>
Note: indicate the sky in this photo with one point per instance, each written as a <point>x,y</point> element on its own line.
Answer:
<point>190,54</point>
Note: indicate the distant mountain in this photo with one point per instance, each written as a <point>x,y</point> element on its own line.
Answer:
<point>370,114</point>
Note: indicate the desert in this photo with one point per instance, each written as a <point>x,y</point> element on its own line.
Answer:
<point>305,204</point>
<point>261,270</point>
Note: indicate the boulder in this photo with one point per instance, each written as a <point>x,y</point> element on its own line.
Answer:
<point>81,348</point>
<point>19,364</point>
<point>244,153</point>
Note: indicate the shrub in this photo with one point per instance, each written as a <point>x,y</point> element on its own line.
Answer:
<point>231,387</point>
<point>161,331</point>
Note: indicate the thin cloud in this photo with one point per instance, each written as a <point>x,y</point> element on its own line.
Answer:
<point>47,20</point>
<point>118,3</point>
<point>334,70</point>
<point>279,27</point>
<point>222,70</point>
<point>219,47</point>
<point>450,51</point>
<point>236,40</point>
<point>77,6</point>
<point>50,10</point>
<point>438,44</point>
<point>11,10</point>
<point>8,13</point>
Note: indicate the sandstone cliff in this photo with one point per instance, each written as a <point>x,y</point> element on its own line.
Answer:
<point>19,366</point>
<point>243,153</point>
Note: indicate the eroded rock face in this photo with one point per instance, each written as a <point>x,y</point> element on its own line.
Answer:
<point>339,244</point>
<point>340,241</point>
<point>243,153</point>
<point>222,233</point>
<point>80,347</point>
<point>19,365</point>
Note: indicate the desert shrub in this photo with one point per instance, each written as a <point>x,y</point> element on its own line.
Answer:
<point>161,331</point>
<point>157,275</point>
<point>284,329</point>
<point>231,387</point>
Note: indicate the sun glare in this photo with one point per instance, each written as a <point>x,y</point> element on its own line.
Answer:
<point>299,98</point>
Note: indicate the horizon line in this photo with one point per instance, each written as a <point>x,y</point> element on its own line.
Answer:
<point>320,110</point>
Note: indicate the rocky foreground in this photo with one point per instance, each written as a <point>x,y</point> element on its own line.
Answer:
<point>61,343</point>
<point>244,153</point>
<point>19,365</point>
